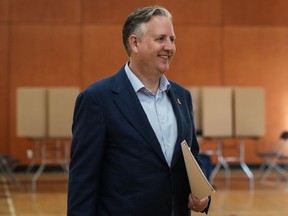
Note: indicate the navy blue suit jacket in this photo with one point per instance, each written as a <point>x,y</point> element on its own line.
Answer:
<point>117,166</point>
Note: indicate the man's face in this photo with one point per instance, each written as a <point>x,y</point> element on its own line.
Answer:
<point>156,48</point>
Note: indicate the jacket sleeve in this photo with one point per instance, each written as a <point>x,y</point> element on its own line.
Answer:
<point>87,152</point>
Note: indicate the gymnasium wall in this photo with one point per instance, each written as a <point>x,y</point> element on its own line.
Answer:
<point>76,42</point>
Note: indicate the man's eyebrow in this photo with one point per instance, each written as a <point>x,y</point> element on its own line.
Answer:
<point>164,35</point>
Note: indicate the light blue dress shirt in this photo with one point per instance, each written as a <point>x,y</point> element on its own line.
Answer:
<point>159,111</point>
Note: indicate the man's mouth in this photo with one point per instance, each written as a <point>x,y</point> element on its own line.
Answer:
<point>165,56</point>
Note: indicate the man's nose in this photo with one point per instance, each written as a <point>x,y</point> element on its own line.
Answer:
<point>169,45</point>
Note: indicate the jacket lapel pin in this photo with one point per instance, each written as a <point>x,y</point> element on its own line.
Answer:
<point>178,100</point>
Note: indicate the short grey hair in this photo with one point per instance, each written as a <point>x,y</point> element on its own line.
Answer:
<point>133,22</point>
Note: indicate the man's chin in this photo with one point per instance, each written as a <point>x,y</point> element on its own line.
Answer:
<point>164,69</point>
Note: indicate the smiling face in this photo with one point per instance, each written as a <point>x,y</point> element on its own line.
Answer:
<point>153,52</point>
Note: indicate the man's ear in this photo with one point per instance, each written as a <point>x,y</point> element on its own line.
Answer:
<point>133,41</point>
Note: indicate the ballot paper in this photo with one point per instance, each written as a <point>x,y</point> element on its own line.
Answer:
<point>199,184</point>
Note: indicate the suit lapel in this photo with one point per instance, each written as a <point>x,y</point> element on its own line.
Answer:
<point>130,106</point>
<point>176,104</point>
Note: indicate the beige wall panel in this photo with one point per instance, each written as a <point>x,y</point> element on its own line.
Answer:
<point>198,57</point>
<point>61,102</point>
<point>31,112</point>
<point>103,52</point>
<point>257,56</point>
<point>110,11</point>
<point>56,11</point>
<point>194,11</point>
<point>217,112</point>
<point>4,86</point>
<point>4,10</point>
<point>249,110</point>
<point>196,95</point>
<point>45,55</point>
<point>255,12</point>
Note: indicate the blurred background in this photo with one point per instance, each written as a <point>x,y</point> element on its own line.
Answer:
<point>73,43</point>
<point>55,43</point>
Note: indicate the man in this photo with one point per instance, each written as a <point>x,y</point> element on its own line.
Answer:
<point>126,157</point>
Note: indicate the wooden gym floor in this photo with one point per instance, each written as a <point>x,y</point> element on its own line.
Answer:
<point>234,199</point>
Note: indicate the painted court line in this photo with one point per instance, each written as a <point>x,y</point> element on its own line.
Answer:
<point>8,198</point>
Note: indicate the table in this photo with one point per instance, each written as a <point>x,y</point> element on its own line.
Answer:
<point>40,153</point>
<point>224,161</point>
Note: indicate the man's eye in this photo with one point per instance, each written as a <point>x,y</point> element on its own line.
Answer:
<point>160,39</point>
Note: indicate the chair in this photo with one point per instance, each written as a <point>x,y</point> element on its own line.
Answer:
<point>7,165</point>
<point>276,159</point>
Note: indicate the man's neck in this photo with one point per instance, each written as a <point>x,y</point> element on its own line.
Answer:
<point>149,80</point>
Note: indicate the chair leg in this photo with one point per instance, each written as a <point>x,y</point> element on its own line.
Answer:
<point>262,168</point>
<point>4,164</point>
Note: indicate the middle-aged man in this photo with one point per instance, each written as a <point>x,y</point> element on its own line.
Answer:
<point>126,157</point>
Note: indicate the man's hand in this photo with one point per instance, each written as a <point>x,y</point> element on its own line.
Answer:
<point>197,205</point>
